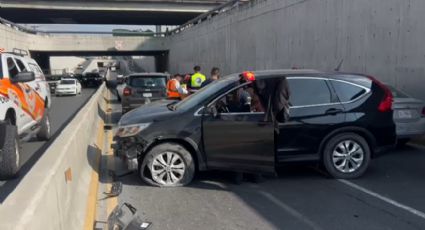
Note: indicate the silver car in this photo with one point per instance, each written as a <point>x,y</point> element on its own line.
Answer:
<point>409,116</point>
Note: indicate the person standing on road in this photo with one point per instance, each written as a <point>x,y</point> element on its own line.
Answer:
<point>215,75</point>
<point>196,79</point>
<point>175,90</point>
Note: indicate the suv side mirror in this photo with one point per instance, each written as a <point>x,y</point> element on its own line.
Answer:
<point>213,111</point>
<point>23,77</point>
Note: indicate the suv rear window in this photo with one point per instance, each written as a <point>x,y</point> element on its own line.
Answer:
<point>347,92</point>
<point>306,91</point>
<point>147,81</point>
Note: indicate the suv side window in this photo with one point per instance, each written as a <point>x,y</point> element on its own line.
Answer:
<point>309,91</point>
<point>12,68</point>
<point>347,92</point>
<point>243,99</point>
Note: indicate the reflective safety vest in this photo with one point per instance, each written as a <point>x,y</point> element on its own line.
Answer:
<point>172,91</point>
<point>196,80</point>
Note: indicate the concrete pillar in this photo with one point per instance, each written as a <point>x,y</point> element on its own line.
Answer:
<point>43,60</point>
<point>161,62</point>
<point>158,29</point>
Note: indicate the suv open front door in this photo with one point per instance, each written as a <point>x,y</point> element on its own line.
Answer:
<point>236,137</point>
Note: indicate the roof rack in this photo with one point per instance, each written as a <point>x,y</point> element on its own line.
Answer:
<point>19,52</point>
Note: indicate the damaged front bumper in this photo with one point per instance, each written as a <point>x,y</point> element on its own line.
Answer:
<point>129,149</point>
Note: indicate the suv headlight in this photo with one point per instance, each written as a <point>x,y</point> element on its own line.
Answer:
<point>131,130</point>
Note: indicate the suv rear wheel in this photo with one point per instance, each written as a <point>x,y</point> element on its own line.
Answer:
<point>346,156</point>
<point>45,130</point>
<point>167,165</point>
<point>9,151</point>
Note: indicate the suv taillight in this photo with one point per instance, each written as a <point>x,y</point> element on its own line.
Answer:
<point>127,92</point>
<point>386,103</point>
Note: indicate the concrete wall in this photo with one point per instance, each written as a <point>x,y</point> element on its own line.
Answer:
<point>379,37</point>
<point>44,199</point>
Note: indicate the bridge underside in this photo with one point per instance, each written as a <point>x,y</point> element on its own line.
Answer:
<point>40,16</point>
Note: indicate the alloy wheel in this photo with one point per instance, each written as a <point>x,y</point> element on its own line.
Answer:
<point>168,168</point>
<point>348,156</point>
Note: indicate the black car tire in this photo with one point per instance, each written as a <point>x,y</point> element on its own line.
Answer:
<point>147,163</point>
<point>330,148</point>
<point>9,151</point>
<point>44,133</point>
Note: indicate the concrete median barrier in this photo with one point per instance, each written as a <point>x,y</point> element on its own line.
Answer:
<point>54,193</point>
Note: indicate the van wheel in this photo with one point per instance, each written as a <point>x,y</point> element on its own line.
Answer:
<point>9,151</point>
<point>346,156</point>
<point>167,165</point>
<point>45,130</point>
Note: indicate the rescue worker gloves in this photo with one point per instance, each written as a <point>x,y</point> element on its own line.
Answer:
<point>131,130</point>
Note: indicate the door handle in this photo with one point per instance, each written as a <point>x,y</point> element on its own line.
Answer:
<point>333,111</point>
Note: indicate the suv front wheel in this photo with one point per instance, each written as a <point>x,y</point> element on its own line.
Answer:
<point>9,151</point>
<point>346,156</point>
<point>167,165</point>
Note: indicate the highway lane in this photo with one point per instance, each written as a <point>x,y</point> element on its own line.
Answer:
<point>300,197</point>
<point>62,111</point>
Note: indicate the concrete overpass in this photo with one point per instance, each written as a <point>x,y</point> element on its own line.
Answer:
<point>134,12</point>
<point>42,46</point>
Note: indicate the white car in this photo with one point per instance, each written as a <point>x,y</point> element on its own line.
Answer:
<point>68,86</point>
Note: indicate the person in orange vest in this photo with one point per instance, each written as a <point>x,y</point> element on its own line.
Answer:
<point>175,90</point>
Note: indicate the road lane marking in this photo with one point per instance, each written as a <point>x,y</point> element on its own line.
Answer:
<point>94,182</point>
<point>290,210</point>
<point>111,202</point>
<point>383,198</point>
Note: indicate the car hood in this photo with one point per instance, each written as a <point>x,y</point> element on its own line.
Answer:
<point>155,111</point>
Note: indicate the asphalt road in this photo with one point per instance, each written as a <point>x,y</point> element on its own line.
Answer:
<point>391,195</point>
<point>62,110</point>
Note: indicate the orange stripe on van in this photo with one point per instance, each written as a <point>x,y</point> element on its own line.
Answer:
<point>35,110</point>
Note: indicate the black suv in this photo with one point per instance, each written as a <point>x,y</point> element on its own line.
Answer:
<point>341,120</point>
<point>143,88</point>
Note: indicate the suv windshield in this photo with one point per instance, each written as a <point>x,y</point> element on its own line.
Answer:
<point>67,82</point>
<point>204,93</point>
<point>148,81</point>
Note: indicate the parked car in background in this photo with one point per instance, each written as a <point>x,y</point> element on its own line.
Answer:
<point>121,84</point>
<point>53,81</point>
<point>24,108</point>
<point>68,86</point>
<point>143,88</point>
<point>91,79</point>
<point>341,120</point>
<point>409,116</point>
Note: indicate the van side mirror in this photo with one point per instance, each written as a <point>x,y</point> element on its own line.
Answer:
<point>23,77</point>
<point>213,111</point>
